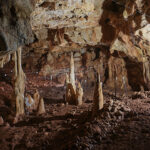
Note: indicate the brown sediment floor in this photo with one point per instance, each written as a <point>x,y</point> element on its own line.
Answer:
<point>124,124</point>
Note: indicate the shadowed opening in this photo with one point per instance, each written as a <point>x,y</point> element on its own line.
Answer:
<point>3,45</point>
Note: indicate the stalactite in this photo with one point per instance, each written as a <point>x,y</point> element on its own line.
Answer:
<point>79,94</point>
<point>41,107</point>
<point>98,100</point>
<point>19,83</point>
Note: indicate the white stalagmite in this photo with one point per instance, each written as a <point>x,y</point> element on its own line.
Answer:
<point>19,83</point>
<point>79,94</point>
<point>98,100</point>
<point>72,74</point>
<point>71,87</point>
<point>73,96</point>
<point>41,107</point>
<point>36,98</point>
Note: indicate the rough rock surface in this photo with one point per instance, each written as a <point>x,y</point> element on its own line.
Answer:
<point>15,28</point>
<point>113,34</point>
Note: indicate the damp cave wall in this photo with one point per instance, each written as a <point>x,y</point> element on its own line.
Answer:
<point>15,28</point>
<point>107,35</point>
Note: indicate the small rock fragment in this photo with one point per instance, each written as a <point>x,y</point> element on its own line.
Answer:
<point>1,120</point>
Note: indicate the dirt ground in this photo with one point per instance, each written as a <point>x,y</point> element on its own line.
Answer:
<point>123,124</point>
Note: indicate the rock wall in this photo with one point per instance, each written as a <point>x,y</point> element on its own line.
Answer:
<point>15,28</point>
<point>107,35</point>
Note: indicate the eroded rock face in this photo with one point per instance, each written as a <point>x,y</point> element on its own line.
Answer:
<point>110,36</point>
<point>67,21</point>
<point>118,27</point>
<point>15,28</point>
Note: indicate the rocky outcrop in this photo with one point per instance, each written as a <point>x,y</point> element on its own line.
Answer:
<point>15,28</point>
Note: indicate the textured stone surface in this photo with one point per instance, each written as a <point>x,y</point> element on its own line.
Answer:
<point>15,27</point>
<point>111,34</point>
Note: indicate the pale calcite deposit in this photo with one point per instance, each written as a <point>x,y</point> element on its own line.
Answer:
<point>79,19</point>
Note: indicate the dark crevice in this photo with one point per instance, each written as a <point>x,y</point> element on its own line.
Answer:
<point>3,45</point>
<point>135,74</point>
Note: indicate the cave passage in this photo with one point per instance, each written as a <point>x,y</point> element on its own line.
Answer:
<point>74,74</point>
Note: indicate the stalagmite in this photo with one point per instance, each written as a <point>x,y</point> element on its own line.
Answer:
<point>36,98</point>
<point>73,96</point>
<point>79,94</point>
<point>19,83</point>
<point>98,100</point>
<point>72,74</point>
<point>41,107</point>
<point>71,87</point>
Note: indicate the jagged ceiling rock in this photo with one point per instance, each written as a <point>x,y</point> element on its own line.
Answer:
<point>78,19</point>
<point>119,27</point>
<point>92,22</point>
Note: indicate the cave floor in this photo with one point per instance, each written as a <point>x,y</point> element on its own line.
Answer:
<point>63,125</point>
